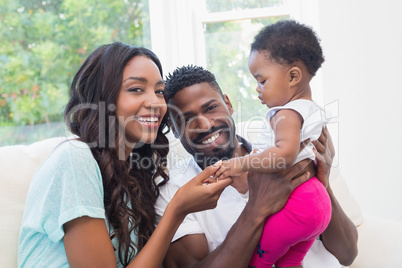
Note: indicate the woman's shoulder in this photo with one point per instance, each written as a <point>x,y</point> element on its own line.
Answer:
<point>70,156</point>
<point>72,149</point>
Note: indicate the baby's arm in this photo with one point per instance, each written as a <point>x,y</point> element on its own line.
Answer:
<point>286,124</point>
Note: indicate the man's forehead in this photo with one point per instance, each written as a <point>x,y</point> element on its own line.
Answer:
<point>194,97</point>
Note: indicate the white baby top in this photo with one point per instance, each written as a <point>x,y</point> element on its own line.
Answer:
<point>314,119</point>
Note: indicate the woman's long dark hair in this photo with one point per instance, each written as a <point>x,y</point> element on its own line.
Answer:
<point>129,192</point>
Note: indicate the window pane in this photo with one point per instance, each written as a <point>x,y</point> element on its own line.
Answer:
<point>42,46</point>
<point>229,5</point>
<point>227,50</point>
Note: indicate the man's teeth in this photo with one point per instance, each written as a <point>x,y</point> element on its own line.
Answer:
<point>213,138</point>
<point>148,119</point>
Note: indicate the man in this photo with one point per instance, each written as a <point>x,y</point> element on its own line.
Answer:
<point>200,114</point>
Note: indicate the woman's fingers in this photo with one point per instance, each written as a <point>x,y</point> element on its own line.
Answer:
<point>207,172</point>
<point>220,171</point>
<point>198,194</point>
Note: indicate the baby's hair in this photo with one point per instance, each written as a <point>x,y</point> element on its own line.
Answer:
<point>188,76</point>
<point>289,41</point>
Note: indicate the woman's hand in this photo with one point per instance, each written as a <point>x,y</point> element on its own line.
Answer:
<point>324,152</point>
<point>196,195</point>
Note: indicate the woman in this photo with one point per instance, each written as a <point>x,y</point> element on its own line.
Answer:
<point>91,204</point>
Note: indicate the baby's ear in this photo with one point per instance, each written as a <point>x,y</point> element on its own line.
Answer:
<point>295,75</point>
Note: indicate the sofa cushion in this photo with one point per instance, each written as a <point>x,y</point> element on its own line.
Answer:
<point>18,164</point>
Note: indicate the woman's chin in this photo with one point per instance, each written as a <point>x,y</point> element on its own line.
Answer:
<point>148,138</point>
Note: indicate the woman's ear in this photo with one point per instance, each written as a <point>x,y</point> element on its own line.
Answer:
<point>295,76</point>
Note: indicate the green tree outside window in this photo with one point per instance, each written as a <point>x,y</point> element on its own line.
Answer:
<point>42,45</point>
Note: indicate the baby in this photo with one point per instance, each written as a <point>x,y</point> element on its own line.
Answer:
<point>284,58</point>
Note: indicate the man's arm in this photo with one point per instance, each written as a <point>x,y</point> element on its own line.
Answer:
<point>241,241</point>
<point>340,237</point>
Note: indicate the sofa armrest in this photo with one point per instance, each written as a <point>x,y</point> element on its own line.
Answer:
<point>379,243</point>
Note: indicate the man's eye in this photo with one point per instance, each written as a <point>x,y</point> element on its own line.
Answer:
<point>187,119</point>
<point>211,107</point>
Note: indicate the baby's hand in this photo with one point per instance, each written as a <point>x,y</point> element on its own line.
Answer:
<point>229,168</point>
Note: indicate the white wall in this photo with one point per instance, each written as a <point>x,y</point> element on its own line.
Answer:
<point>362,42</point>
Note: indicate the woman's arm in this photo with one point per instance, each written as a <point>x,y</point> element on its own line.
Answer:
<point>87,241</point>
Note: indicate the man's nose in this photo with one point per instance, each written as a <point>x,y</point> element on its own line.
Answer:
<point>204,123</point>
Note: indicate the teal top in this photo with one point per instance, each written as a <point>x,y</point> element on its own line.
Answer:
<point>68,185</point>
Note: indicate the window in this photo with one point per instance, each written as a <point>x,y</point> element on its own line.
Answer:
<point>217,34</point>
<point>44,42</point>
<point>42,46</point>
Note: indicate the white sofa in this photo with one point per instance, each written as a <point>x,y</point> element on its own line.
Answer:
<point>380,240</point>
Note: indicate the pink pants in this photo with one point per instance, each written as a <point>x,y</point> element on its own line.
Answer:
<point>290,233</point>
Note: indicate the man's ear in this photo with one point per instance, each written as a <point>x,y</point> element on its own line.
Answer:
<point>228,103</point>
<point>295,76</point>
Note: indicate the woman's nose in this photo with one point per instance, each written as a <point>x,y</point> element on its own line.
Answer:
<point>153,101</point>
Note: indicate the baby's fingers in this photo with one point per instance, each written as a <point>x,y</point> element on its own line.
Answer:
<point>220,171</point>
<point>224,175</point>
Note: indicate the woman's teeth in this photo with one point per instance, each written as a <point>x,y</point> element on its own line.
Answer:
<point>210,140</point>
<point>148,119</point>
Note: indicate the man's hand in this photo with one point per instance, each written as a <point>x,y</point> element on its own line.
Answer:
<point>270,191</point>
<point>340,237</point>
<point>324,152</point>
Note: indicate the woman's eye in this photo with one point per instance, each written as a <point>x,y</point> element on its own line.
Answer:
<point>135,89</point>
<point>262,82</point>
<point>160,92</point>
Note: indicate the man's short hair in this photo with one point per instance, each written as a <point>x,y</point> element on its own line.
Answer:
<point>289,41</point>
<point>187,76</point>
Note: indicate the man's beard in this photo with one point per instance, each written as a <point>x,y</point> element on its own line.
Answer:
<point>206,160</point>
<point>218,153</point>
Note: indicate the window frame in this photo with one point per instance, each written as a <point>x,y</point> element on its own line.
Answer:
<point>177,33</point>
